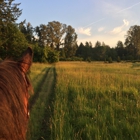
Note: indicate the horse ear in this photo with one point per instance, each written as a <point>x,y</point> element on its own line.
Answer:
<point>26,60</point>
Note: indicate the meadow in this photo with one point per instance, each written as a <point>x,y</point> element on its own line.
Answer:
<point>90,101</point>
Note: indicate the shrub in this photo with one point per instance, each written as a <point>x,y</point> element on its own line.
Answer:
<point>118,59</point>
<point>110,60</point>
<point>89,59</point>
<point>52,56</point>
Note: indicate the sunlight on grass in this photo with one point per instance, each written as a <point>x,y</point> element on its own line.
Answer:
<point>96,101</point>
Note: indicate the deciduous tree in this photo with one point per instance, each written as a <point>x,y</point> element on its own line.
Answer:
<point>12,41</point>
<point>70,43</point>
<point>42,33</point>
<point>28,30</point>
<point>15,42</point>
<point>9,13</point>
<point>133,40</point>
<point>55,34</point>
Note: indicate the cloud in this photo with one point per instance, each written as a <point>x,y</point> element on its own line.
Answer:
<point>116,30</point>
<point>126,23</point>
<point>120,29</point>
<point>85,31</point>
<point>110,10</point>
<point>100,29</point>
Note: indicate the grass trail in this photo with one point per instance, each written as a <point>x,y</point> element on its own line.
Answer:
<point>38,88</point>
<point>39,118</point>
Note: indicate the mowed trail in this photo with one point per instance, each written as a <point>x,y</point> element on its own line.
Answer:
<point>48,83</point>
<point>44,86</point>
<point>48,89</point>
<point>40,108</point>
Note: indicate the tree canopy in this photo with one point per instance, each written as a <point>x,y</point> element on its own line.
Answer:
<point>12,41</point>
<point>132,40</point>
<point>9,12</point>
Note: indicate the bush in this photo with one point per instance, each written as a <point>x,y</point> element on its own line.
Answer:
<point>45,54</point>
<point>89,59</point>
<point>110,60</point>
<point>39,54</point>
<point>52,56</point>
<point>118,59</point>
<point>12,42</point>
<point>74,58</point>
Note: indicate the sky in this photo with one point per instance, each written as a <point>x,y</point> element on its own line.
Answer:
<point>93,20</point>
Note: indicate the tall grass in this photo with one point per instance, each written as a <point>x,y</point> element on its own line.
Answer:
<point>96,101</point>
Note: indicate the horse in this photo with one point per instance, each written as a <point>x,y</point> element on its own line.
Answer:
<point>14,95</point>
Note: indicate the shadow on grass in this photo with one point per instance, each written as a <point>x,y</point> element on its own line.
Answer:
<point>49,111</point>
<point>33,99</point>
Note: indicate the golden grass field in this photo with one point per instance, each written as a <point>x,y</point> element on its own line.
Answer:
<point>94,100</point>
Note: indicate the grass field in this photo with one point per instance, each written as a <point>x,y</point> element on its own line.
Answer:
<point>91,101</point>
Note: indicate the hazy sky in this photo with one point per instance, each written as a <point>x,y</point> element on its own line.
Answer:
<point>104,20</point>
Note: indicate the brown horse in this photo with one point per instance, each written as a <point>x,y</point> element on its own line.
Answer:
<point>14,86</point>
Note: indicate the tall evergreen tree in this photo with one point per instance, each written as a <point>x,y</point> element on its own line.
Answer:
<point>80,50</point>
<point>97,44</point>
<point>120,49</point>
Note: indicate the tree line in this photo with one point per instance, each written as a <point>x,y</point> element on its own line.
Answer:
<point>56,41</point>
<point>127,51</point>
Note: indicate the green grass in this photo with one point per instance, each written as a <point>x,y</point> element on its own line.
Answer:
<point>96,101</point>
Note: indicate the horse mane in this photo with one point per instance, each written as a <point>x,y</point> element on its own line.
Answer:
<point>13,89</point>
